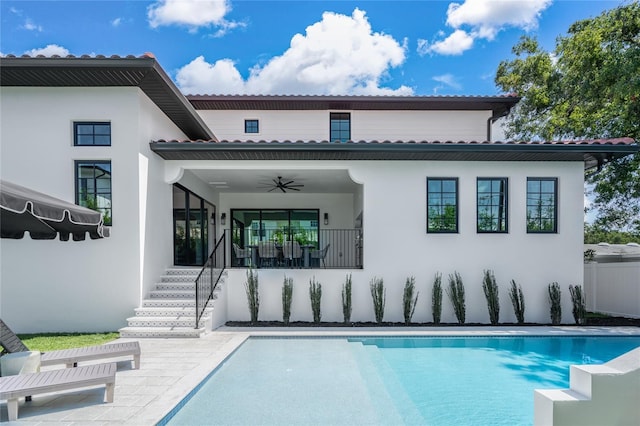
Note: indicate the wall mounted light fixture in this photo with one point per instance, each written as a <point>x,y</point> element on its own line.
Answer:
<point>326,218</point>
<point>213,219</point>
<point>223,219</point>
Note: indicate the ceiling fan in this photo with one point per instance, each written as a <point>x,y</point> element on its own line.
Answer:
<point>283,186</point>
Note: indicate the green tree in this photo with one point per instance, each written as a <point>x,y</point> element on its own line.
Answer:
<point>588,87</point>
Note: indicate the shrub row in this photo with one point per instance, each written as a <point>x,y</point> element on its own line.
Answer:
<point>455,292</point>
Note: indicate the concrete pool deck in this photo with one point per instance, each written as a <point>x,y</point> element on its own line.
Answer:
<point>171,368</point>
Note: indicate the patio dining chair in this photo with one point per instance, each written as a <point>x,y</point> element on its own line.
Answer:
<point>320,255</point>
<point>241,255</point>
<point>268,253</point>
<point>292,253</point>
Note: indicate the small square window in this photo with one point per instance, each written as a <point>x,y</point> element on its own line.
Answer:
<point>251,126</point>
<point>91,133</point>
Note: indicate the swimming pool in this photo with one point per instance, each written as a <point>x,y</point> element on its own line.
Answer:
<point>389,381</point>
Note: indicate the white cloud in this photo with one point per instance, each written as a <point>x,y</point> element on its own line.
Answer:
<point>29,25</point>
<point>487,17</point>
<point>15,11</point>
<point>226,26</point>
<point>447,80</point>
<point>200,77</point>
<point>338,55</point>
<point>49,50</point>
<point>484,19</point>
<point>458,42</point>
<point>116,22</point>
<point>191,13</point>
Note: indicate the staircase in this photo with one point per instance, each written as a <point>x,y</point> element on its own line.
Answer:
<point>170,309</point>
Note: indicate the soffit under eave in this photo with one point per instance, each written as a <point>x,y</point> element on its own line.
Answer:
<point>327,155</point>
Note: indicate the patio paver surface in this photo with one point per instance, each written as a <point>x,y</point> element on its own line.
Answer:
<point>171,368</point>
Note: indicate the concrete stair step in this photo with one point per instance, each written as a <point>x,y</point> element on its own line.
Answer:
<point>169,303</point>
<point>169,285</point>
<point>172,294</point>
<point>173,302</point>
<point>183,271</point>
<point>169,311</point>
<point>161,332</point>
<point>162,321</point>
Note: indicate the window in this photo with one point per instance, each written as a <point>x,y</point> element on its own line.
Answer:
<point>251,126</point>
<point>542,205</point>
<point>91,134</point>
<point>93,186</point>
<point>492,205</point>
<point>340,126</point>
<point>442,205</point>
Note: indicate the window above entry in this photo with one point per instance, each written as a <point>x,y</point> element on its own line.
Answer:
<point>91,133</point>
<point>340,127</point>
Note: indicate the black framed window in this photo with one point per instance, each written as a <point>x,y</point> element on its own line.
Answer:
<point>542,205</point>
<point>492,205</point>
<point>93,186</point>
<point>251,126</point>
<point>442,205</point>
<point>91,133</point>
<point>340,127</point>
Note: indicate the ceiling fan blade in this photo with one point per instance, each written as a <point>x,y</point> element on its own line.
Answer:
<point>272,189</point>
<point>277,182</point>
<point>292,189</point>
<point>295,186</point>
<point>282,189</point>
<point>287,183</point>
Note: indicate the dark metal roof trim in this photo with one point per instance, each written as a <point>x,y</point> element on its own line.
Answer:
<point>590,151</point>
<point>497,104</point>
<point>143,72</point>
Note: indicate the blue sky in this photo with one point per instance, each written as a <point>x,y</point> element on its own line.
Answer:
<point>299,47</point>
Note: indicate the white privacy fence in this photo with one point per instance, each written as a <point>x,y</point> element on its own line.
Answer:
<point>613,288</point>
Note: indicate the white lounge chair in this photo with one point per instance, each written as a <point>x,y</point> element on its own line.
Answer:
<point>12,388</point>
<point>71,357</point>
<point>12,343</point>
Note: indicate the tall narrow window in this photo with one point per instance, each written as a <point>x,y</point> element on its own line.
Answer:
<point>87,134</point>
<point>492,206</point>
<point>251,126</point>
<point>442,205</point>
<point>340,126</point>
<point>542,205</point>
<point>93,186</point>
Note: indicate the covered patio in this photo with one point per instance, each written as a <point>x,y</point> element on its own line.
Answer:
<point>274,218</point>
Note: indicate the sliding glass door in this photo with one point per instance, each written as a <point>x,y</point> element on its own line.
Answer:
<point>190,227</point>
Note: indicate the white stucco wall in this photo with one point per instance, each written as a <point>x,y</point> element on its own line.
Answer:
<point>89,285</point>
<point>365,125</point>
<point>397,246</point>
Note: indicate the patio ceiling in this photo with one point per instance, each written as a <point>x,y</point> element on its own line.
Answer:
<point>255,181</point>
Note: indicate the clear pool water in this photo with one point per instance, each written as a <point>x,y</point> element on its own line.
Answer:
<point>390,381</point>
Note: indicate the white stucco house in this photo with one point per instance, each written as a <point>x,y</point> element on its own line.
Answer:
<point>387,187</point>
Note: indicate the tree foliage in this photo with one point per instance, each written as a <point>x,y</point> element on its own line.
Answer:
<point>588,87</point>
<point>593,234</point>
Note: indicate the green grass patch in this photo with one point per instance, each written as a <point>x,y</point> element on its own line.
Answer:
<point>45,342</point>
